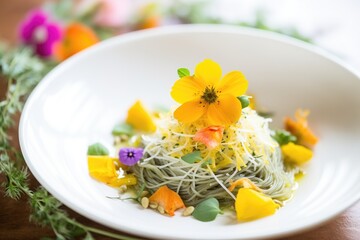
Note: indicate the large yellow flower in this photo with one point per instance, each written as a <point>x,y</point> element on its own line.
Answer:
<point>206,95</point>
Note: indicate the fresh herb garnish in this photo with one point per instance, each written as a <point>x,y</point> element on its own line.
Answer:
<point>283,137</point>
<point>123,129</point>
<point>245,102</point>
<point>97,149</point>
<point>207,210</point>
<point>183,72</point>
<point>192,157</point>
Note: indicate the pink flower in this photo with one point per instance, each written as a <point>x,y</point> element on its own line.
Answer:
<point>40,33</point>
<point>113,13</point>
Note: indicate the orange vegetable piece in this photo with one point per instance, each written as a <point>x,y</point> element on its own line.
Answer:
<point>245,183</point>
<point>300,128</point>
<point>76,38</point>
<point>168,199</point>
<point>150,22</point>
<point>210,136</point>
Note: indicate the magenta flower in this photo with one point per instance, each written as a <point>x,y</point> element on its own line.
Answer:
<point>40,33</point>
<point>130,156</point>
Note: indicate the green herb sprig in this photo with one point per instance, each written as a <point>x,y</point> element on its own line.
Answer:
<point>23,71</point>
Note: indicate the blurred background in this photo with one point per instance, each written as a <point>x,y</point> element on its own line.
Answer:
<point>331,25</point>
<point>55,30</point>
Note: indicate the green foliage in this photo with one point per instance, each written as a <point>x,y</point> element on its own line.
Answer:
<point>97,149</point>
<point>123,129</point>
<point>283,137</point>
<point>183,72</point>
<point>245,102</point>
<point>207,210</point>
<point>192,157</point>
<point>23,70</point>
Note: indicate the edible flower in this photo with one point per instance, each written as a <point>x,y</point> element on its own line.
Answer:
<point>168,199</point>
<point>140,118</point>
<point>113,13</point>
<point>300,128</point>
<point>149,16</point>
<point>206,95</point>
<point>210,136</point>
<point>296,153</point>
<point>77,37</point>
<point>39,32</point>
<point>251,205</point>
<point>130,156</point>
<point>245,183</point>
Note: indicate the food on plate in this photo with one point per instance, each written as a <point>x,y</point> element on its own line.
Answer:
<point>211,153</point>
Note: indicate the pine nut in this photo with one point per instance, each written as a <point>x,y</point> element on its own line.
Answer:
<point>188,211</point>
<point>145,202</point>
<point>122,188</point>
<point>161,209</point>
<point>153,205</point>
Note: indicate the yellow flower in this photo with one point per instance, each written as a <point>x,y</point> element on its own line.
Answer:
<point>206,95</point>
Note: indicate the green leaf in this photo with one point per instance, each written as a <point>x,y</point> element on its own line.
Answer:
<point>245,102</point>
<point>97,149</point>
<point>123,129</point>
<point>192,157</point>
<point>283,137</point>
<point>183,72</point>
<point>207,210</point>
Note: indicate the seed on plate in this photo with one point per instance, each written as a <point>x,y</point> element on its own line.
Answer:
<point>124,138</point>
<point>122,188</point>
<point>161,209</point>
<point>145,202</point>
<point>153,205</point>
<point>117,140</point>
<point>188,211</point>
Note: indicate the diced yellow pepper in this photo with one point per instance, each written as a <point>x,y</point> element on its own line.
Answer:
<point>296,153</point>
<point>140,118</point>
<point>126,180</point>
<point>251,205</point>
<point>102,168</point>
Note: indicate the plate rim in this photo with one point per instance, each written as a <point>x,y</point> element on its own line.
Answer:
<point>161,31</point>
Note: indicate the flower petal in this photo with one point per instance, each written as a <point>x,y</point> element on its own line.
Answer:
<point>209,72</point>
<point>186,89</point>
<point>225,111</point>
<point>210,136</point>
<point>190,111</point>
<point>233,83</point>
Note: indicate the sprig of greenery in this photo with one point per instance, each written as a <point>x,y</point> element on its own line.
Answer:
<point>196,12</point>
<point>23,71</point>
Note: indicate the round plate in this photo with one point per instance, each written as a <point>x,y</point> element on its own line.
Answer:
<point>80,101</point>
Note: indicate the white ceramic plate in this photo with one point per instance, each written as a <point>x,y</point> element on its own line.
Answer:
<point>79,102</point>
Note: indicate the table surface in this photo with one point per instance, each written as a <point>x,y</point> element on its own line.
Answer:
<point>14,215</point>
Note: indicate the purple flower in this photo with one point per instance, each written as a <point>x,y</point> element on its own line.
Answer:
<point>130,156</point>
<point>40,33</point>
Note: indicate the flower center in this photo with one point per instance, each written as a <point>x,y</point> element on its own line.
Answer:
<point>130,154</point>
<point>209,95</point>
<point>40,35</point>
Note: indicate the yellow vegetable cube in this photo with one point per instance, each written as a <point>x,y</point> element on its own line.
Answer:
<point>102,168</point>
<point>296,153</point>
<point>140,118</point>
<point>251,205</point>
<point>126,180</point>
